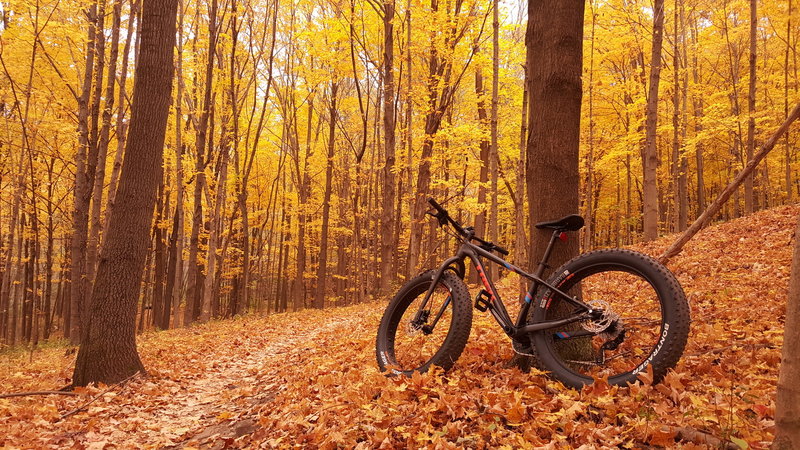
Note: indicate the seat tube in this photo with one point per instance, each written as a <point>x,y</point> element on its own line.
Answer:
<point>543,263</point>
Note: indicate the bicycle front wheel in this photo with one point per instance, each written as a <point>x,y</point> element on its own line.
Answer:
<point>644,320</point>
<point>413,337</point>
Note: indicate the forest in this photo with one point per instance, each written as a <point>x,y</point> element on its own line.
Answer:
<point>303,140</point>
<point>300,135</point>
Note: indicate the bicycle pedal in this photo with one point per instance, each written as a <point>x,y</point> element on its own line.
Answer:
<point>483,301</point>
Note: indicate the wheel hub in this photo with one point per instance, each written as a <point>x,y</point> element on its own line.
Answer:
<point>604,320</point>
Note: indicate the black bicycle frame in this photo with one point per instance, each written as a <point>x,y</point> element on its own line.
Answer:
<point>495,305</point>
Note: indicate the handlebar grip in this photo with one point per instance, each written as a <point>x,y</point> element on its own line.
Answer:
<point>501,250</point>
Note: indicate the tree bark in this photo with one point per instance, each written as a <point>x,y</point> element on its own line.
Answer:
<point>787,146</point>
<point>554,40</point>
<point>650,154</point>
<point>494,154</point>
<point>322,267</point>
<point>520,232</point>
<point>485,154</point>
<point>787,405</point>
<point>108,349</point>
<point>80,214</point>
<point>194,277</point>
<point>751,109</point>
<point>388,243</point>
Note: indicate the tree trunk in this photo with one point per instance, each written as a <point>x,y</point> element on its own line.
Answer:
<point>697,102</point>
<point>388,243</point>
<point>210,305</point>
<point>520,232</point>
<point>80,215</point>
<point>650,154</point>
<point>322,267</point>
<point>787,147</point>
<point>787,405</point>
<point>108,349</point>
<point>494,154</point>
<point>194,277</point>
<point>749,198</point>
<point>554,41</point>
<point>589,227</point>
<point>480,218</point>
<point>95,224</point>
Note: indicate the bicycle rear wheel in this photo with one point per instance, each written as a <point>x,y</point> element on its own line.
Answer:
<point>645,320</point>
<point>411,338</point>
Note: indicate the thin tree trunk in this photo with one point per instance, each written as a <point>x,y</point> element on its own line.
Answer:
<point>322,267</point>
<point>751,109</point>
<point>160,304</point>
<point>485,154</point>
<point>698,124</point>
<point>788,147</point>
<point>683,175</point>
<point>121,125</point>
<point>95,224</point>
<point>588,229</point>
<point>650,154</point>
<point>83,189</point>
<point>210,304</point>
<point>194,278</point>
<point>494,154</point>
<point>388,225</point>
<point>520,231</point>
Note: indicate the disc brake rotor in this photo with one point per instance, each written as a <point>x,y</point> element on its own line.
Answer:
<point>602,323</point>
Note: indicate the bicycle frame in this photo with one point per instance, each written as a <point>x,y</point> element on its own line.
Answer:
<point>518,329</point>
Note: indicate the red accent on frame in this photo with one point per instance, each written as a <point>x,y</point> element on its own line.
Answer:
<point>485,282</point>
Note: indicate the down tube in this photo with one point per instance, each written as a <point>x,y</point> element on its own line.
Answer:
<point>497,308</point>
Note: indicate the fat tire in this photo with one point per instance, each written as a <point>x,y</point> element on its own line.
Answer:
<point>674,314</point>
<point>459,326</point>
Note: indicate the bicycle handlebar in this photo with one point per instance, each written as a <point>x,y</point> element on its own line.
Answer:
<point>444,217</point>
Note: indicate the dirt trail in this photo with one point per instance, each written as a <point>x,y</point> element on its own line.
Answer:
<point>209,408</point>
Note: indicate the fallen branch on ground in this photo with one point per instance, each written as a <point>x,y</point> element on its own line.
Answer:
<point>83,406</point>
<point>25,394</point>
<point>723,197</point>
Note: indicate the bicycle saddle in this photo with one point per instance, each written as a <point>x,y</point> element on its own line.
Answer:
<point>572,222</point>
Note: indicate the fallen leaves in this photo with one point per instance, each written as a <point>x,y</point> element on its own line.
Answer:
<point>310,379</point>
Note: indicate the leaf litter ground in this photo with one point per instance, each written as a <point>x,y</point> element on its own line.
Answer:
<point>309,379</point>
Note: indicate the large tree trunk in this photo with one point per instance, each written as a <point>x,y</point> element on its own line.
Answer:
<point>787,405</point>
<point>554,41</point>
<point>108,349</point>
<point>650,154</point>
